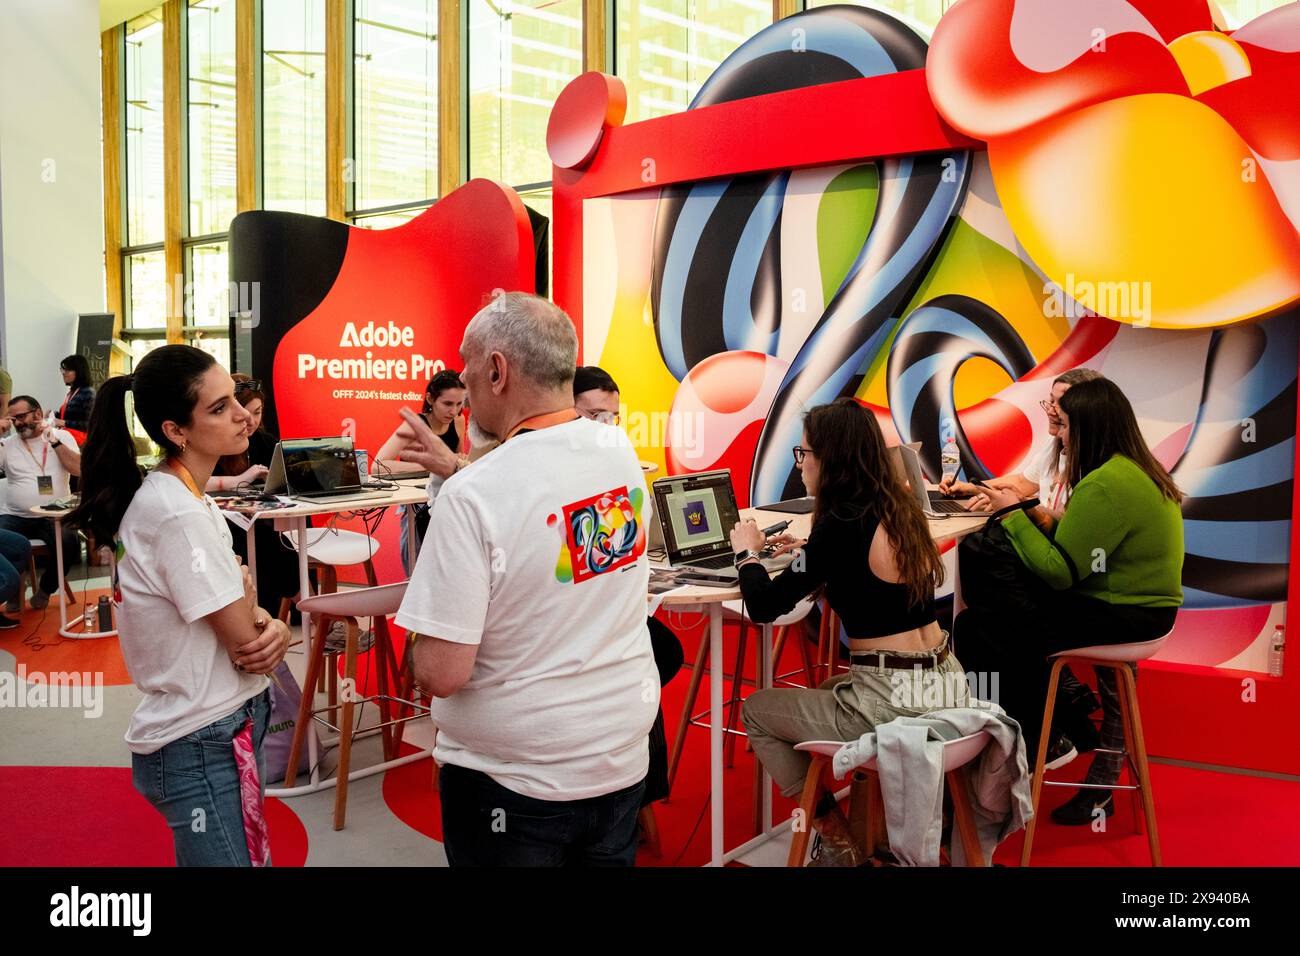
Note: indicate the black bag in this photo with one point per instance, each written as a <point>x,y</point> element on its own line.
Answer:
<point>993,578</point>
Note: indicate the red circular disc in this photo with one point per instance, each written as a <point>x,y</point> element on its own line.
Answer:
<point>584,108</point>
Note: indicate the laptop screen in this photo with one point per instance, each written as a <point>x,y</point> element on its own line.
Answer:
<point>907,461</point>
<point>697,513</point>
<point>319,464</point>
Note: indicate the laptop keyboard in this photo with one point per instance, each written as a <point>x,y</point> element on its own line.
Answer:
<point>951,506</point>
<point>719,561</point>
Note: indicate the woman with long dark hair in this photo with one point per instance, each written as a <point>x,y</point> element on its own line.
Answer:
<point>74,413</point>
<point>194,642</point>
<point>250,466</point>
<point>871,553</point>
<point>1116,559</point>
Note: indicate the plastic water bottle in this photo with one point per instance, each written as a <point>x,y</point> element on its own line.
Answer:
<point>1275,652</point>
<point>950,458</point>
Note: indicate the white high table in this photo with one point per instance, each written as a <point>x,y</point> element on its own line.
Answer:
<point>66,628</point>
<point>942,530</point>
<point>409,493</point>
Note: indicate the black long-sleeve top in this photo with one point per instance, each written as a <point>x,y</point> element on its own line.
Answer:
<point>837,556</point>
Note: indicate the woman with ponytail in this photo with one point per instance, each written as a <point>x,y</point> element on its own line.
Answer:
<point>194,641</point>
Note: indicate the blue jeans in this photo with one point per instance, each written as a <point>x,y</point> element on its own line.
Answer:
<point>486,824</point>
<point>15,552</point>
<point>194,784</point>
<point>43,529</point>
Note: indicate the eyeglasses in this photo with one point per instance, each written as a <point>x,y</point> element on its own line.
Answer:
<point>25,416</point>
<point>252,385</point>
<point>799,454</point>
<point>1048,406</point>
<point>605,418</point>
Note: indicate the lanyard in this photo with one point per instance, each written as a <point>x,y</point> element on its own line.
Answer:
<point>543,421</point>
<point>184,475</point>
<point>69,397</point>
<point>44,454</point>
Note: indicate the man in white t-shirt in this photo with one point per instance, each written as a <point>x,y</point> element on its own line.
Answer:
<point>38,461</point>
<point>530,598</point>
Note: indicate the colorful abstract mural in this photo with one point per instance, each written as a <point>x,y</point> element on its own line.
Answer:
<point>1103,226</point>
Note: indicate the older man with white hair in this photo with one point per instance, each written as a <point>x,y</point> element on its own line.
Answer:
<point>529,596</point>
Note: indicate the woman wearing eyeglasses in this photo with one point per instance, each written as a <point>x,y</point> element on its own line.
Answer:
<point>870,552</point>
<point>74,413</point>
<point>1042,476</point>
<point>1114,562</point>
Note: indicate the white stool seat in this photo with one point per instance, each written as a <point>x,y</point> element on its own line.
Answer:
<point>1131,653</point>
<point>357,602</point>
<point>796,614</point>
<point>336,546</point>
<point>956,753</point>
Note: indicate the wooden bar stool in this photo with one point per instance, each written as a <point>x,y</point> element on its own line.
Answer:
<point>329,549</point>
<point>375,603</point>
<point>1117,657</point>
<point>866,805</point>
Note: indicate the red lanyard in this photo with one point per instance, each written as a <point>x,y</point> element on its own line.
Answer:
<point>45,455</point>
<point>543,421</point>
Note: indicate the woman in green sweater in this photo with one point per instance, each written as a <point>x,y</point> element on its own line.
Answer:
<point>1115,558</point>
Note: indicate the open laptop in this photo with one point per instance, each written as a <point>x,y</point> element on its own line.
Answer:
<point>695,514</point>
<point>318,470</point>
<point>908,459</point>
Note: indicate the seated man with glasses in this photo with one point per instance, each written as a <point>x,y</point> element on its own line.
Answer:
<point>595,395</point>
<point>38,462</point>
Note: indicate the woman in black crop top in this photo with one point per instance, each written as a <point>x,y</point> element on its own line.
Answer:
<point>871,555</point>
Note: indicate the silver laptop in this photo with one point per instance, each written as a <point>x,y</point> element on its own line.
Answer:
<point>695,515</point>
<point>907,458</point>
<point>318,470</point>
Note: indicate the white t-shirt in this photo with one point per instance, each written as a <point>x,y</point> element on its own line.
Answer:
<point>564,689</point>
<point>178,567</point>
<point>23,461</point>
<point>1052,493</point>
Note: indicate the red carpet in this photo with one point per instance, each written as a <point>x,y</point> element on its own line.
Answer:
<point>92,816</point>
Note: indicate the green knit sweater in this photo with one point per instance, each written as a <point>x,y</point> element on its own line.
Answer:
<point>1120,540</point>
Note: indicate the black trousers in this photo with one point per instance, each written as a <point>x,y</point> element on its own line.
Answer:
<point>668,659</point>
<point>486,824</point>
<point>1016,649</point>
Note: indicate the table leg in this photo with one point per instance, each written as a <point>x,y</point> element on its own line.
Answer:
<point>63,584</point>
<point>765,680</point>
<point>250,537</point>
<point>716,679</point>
<point>304,592</point>
<point>412,546</point>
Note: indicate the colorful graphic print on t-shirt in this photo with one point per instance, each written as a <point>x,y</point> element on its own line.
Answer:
<point>602,533</point>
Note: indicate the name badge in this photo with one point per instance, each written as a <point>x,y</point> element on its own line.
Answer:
<point>45,485</point>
